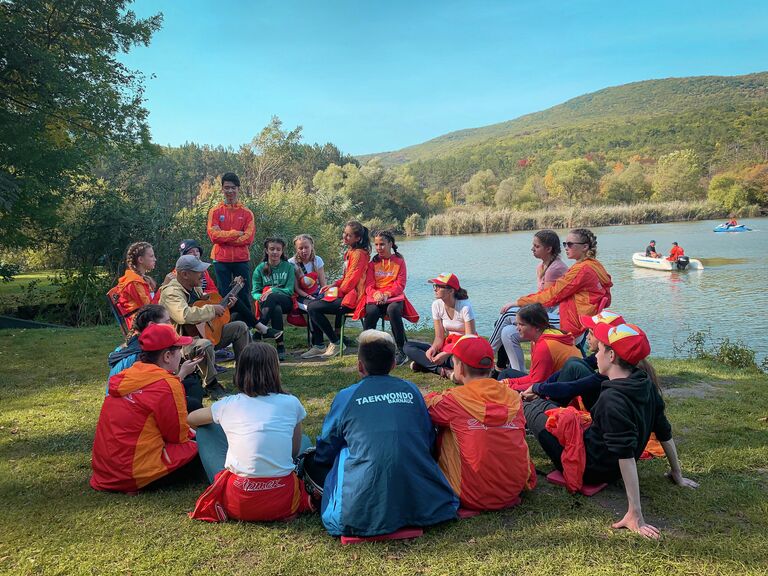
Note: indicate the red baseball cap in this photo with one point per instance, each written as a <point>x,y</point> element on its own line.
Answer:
<point>446,279</point>
<point>474,351</point>
<point>161,336</point>
<point>628,341</point>
<point>604,317</point>
<point>331,294</point>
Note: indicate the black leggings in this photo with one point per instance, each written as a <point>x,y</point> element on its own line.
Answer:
<point>417,351</point>
<point>317,309</point>
<point>395,312</point>
<point>273,306</point>
<point>225,273</point>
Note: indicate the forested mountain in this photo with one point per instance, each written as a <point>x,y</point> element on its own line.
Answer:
<point>717,116</point>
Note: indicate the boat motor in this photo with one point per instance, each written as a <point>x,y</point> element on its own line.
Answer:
<point>682,262</point>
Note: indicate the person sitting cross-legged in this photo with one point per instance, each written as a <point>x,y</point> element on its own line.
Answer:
<point>376,443</point>
<point>247,445</point>
<point>482,448</point>
<point>142,436</point>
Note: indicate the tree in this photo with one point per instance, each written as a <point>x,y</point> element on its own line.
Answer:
<point>626,185</point>
<point>572,180</point>
<point>481,188</point>
<point>64,98</point>
<point>511,194</point>
<point>735,191</point>
<point>678,177</point>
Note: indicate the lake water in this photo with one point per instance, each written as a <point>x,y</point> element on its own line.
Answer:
<point>729,296</point>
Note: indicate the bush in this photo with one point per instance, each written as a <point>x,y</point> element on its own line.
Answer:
<point>8,271</point>
<point>701,345</point>
<point>413,225</point>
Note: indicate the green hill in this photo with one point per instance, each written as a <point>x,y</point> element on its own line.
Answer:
<point>650,118</point>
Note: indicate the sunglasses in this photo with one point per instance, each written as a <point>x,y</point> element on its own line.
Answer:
<point>438,287</point>
<point>571,244</point>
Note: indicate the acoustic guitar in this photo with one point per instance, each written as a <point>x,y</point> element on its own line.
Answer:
<point>211,330</point>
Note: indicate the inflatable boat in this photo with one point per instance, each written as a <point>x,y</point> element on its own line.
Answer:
<point>682,263</point>
<point>726,228</point>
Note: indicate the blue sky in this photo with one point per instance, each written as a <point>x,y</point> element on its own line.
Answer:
<point>377,76</point>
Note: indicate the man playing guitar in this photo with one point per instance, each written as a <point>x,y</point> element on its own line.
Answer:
<point>179,296</point>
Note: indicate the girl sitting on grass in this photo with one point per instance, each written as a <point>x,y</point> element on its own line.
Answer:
<point>247,444</point>
<point>550,348</point>
<point>627,411</point>
<point>453,317</point>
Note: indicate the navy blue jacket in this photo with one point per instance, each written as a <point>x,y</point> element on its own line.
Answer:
<point>377,438</point>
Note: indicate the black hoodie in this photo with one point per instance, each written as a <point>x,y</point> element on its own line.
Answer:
<point>625,414</point>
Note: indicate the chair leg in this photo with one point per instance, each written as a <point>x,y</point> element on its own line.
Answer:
<point>341,335</point>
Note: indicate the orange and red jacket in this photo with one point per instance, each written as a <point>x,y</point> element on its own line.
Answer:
<point>568,425</point>
<point>481,442</point>
<point>675,252</point>
<point>142,433</point>
<point>351,285</point>
<point>228,244</point>
<point>134,292</point>
<point>584,290</point>
<point>548,355</point>
<point>387,276</point>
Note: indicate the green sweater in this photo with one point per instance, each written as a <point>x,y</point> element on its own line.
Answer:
<point>281,279</point>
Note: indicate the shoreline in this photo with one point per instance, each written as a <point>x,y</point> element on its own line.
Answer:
<point>463,220</point>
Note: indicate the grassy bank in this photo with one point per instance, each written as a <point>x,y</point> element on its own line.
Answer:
<point>490,220</point>
<point>53,523</point>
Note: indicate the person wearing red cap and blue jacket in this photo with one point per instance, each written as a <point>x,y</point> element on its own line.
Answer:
<point>628,410</point>
<point>142,434</point>
<point>481,432</point>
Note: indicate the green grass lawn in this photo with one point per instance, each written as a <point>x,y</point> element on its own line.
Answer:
<point>29,289</point>
<point>51,391</point>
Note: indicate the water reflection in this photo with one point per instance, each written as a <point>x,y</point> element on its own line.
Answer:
<point>497,268</point>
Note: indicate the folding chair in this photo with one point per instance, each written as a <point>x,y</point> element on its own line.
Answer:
<point>112,298</point>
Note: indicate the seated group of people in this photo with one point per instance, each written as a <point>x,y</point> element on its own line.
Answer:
<point>674,253</point>
<point>388,457</point>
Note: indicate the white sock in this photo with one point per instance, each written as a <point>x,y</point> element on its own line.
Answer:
<point>261,328</point>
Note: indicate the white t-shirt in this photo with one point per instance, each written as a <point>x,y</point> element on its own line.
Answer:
<point>463,313</point>
<point>259,433</point>
<point>308,266</point>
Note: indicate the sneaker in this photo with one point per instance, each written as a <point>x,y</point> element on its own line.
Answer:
<point>256,335</point>
<point>400,358</point>
<point>415,367</point>
<point>225,355</point>
<point>281,353</point>
<point>314,352</point>
<point>333,350</point>
<point>220,369</point>
<point>272,333</point>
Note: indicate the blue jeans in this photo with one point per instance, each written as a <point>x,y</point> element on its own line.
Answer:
<point>212,447</point>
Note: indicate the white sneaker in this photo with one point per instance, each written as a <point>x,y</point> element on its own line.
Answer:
<point>314,352</point>
<point>332,350</point>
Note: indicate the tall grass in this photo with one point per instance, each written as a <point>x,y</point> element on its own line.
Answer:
<point>464,220</point>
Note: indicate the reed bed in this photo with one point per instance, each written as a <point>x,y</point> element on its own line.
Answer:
<point>465,220</point>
